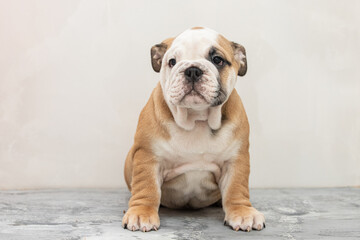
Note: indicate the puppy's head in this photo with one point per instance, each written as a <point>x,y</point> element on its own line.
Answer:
<point>198,68</point>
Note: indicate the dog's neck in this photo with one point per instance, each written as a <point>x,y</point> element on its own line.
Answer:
<point>187,117</point>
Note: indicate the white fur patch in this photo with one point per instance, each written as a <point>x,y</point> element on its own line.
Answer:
<point>197,150</point>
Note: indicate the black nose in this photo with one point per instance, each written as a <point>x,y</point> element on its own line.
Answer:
<point>193,74</point>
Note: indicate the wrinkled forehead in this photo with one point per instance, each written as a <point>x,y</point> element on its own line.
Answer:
<point>197,42</point>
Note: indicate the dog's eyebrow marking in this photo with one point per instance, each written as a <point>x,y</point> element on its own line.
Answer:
<point>196,28</point>
<point>215,51</point>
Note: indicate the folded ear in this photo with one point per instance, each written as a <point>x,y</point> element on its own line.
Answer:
<point>240,57</point>
<point>157,53</point>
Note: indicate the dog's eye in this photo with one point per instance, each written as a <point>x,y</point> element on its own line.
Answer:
<point>172,62</point>
<point>218,61</point>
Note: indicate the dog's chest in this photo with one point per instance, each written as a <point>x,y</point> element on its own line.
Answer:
<point>198,150</point>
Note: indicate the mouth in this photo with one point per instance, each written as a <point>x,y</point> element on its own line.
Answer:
<point>193,96</point>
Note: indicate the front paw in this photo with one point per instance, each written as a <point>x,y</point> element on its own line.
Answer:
<point>244,218</point>
<point>142,218</point>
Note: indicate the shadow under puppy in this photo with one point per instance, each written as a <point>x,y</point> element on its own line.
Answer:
<point>191,145</point>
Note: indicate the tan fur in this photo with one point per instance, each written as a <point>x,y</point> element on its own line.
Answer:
<point>151,125</point>
<point>142,166</point>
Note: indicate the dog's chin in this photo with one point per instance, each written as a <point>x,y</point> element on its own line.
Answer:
<point>193,100</point>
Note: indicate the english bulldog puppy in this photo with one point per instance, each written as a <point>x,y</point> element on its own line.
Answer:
<point>191,146</point>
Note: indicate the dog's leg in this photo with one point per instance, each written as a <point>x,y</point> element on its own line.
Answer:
<point>234,185</point>
<point>145,194</point>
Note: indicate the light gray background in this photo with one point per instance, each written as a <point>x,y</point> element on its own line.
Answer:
<point>74,76</point>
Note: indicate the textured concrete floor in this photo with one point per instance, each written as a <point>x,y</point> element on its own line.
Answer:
<point>332,213</point>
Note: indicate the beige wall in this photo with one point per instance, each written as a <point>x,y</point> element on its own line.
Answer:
<point>74,76</point>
